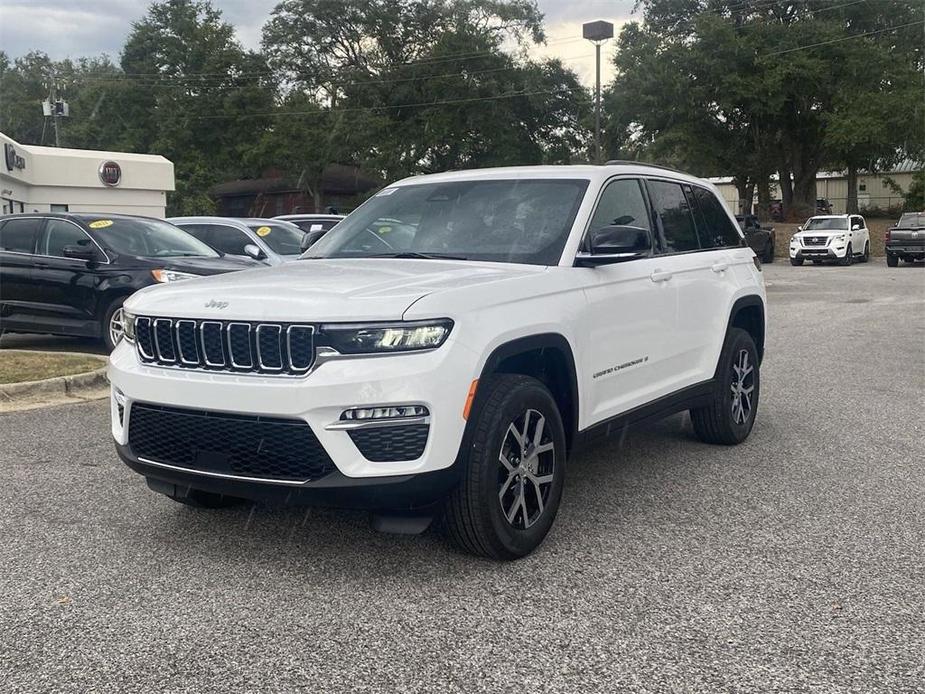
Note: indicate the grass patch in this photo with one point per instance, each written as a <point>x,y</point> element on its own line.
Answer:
<point>19,367</point>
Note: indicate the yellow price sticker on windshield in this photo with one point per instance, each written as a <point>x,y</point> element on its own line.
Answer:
<point>263,231</point>
<point>100,224</point>
<point>385,230</point>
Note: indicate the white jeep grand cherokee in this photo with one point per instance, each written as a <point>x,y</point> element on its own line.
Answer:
<point>444,349</point>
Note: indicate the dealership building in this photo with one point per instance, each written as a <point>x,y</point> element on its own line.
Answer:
<point>52,179</point>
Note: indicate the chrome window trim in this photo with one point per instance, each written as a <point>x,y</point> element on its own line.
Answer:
<point>354,424</point>
<point>180,343</point>
<point>292,367</point>
<point>279,335</point>
<point>250,353</point>
<point>157,346</point>
<point>202,342</point>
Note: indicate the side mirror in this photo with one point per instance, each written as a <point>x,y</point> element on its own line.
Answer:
<point>80,253</point>
<point>799,228</point>
<point>615,244</point>
<point>310,238</point>
<point>253,251</point>
<point>855,227</point>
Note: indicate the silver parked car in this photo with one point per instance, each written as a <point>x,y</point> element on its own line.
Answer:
<point>272,241</point>
<point>314,225</point>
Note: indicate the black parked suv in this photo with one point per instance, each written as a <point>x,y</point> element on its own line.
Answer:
<point>68,274</point>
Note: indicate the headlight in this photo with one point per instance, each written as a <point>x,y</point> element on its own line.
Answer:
<point>794,239</point>
<point>128,325</point>
<point>164,276</point>
<point>840,237</point>
<point>380,337</point>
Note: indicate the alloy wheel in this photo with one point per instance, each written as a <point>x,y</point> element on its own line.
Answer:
<point>116,327</point>
<point>526,468</point>
<point>743,383</point>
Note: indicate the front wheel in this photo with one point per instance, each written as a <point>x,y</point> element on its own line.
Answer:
<point>730,415</point>
<point>796,261</point>
<point>513,471</point>
<point>849,256</point>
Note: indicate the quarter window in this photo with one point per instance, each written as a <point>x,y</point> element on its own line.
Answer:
<point>19,235</point>
<point>59,234</point>
<point>622,204</point>
<point>677,233</point>
<point>716,229</point>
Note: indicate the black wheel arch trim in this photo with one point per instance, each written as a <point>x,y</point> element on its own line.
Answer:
<point>748,302</point>
<point>532,343</point>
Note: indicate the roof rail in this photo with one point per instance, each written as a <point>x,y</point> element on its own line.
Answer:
<point>642,163</point>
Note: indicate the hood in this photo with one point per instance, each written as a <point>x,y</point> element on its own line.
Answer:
<point>196,266</point>
<point>321,290</point>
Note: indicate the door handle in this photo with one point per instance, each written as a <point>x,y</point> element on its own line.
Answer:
<point>719,267</point>
<point>659,276</point>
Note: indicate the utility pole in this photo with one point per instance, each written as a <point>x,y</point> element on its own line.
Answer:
<point>597,32</point>
<point>54,107</point>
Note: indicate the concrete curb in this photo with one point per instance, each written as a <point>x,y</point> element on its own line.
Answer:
<point>81,386</point>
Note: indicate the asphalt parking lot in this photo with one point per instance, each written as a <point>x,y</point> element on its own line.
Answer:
<point>795,562</point>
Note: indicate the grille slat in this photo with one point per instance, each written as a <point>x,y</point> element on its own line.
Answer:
<point>229,346</point>
<point>230,444</point>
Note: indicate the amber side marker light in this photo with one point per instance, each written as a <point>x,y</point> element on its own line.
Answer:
<point>470,398</point>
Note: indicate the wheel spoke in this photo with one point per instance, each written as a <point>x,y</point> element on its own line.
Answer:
<point>505,487</point>
<point>545,448</point>
<point>524,436</point>
<point>539,498</point>
<point>541,479</point>
<point>512,513</point>
<point>538,434</point>
<point>512,430</point>
<point>505,462</point>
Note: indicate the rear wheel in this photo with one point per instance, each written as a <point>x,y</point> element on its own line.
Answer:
<point>892,260</point>
<point>796,261</point>
<point>112,327</point>
<point>866,256</point>
<point>513,473</point>
<point>768,255</point>
<point>729,417</point>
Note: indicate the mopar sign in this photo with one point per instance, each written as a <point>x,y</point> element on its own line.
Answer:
<point>12,159</point>
<point>110,173</point>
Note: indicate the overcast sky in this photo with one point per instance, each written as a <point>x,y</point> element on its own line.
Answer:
<point>75,28</point>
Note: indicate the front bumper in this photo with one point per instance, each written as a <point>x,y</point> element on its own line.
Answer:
<point>438,380</point>
<point>818,252</point>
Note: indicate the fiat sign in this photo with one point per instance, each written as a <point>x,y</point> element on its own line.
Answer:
<point>110,173</point>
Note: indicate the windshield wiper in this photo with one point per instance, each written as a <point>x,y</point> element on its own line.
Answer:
<point>417,255</point>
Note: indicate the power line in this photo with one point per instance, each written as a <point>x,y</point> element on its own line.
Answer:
<point>845,38</point>
<point>354,109</point>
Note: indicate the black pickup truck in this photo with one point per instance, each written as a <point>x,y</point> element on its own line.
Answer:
<point>906,239</point>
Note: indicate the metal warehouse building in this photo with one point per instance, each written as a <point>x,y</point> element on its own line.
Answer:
<point>51,179</point>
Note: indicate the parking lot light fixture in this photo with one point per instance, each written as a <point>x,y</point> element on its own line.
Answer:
<point>597,32</point>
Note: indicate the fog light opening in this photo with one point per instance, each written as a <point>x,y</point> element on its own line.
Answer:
<point>390,412</point>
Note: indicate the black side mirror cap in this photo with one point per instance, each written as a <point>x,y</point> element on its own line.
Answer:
<point>80,253</point>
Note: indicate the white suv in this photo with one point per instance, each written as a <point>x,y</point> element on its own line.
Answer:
<point>841,237</point>
<point>443,350</point>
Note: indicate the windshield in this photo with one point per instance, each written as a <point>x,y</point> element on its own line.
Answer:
<point>827,224</point>
<point>282,238</point>
<point>513,221</point>
<point>146,238</point>
<point>912,220</point>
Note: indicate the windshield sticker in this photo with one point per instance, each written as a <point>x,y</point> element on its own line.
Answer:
<point>386,191</point>
<point>100,224</point>
<point>263,231</point>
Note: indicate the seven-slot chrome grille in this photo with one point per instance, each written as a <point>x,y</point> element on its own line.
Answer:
<point>231,346</point>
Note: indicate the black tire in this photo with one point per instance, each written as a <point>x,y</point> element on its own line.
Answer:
<point>718,422</point>
<point>892,260</point>
<point>474,520</point>
<point>866,255</point>
<point>849,257</point>
<point>200,499</point>
<point>108,314</point>
<point>796,261</point>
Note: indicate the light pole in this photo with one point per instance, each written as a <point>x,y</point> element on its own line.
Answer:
<point>597,32</point>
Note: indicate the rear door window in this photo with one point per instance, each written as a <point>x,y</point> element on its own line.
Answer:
<point>677,232</point>
<point>715,227</point>
<point>58,235</point>
<point>20,235</point>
